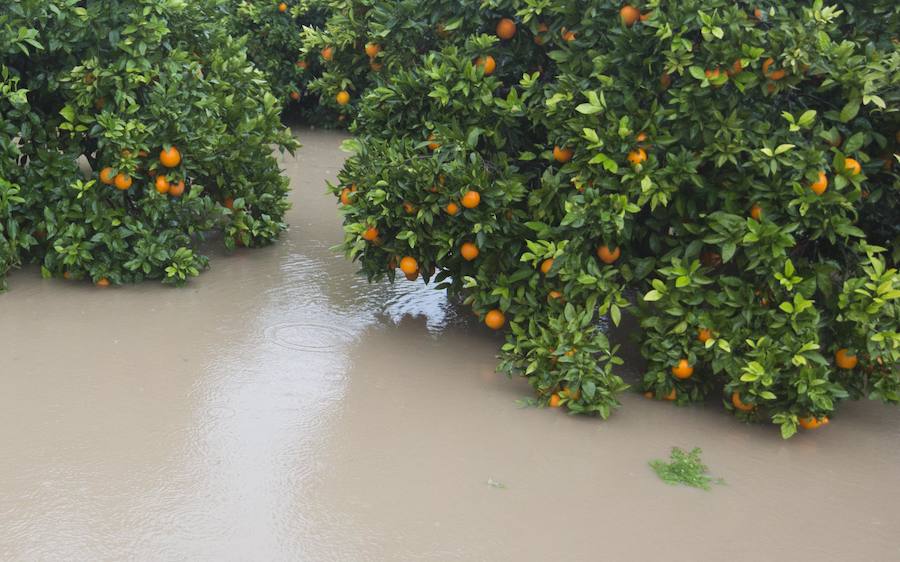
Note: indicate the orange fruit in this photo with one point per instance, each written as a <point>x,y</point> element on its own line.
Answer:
<point>452,208</point>
<point>228,203</point>
<point>342,97</point>
<point>506,29</point>
<point>370,234</point>
<point>409,208</point>
<point>608,256</point>
<point>671,396</point>
<point>346,195</point>
<point>468,251</point>
<point>433,145</point>
<point>646,16</point>
<point>107,176</point>
<point>376,66</point>
<point>409,265</point>
<point>844,360</point>
<point>103,282</point>
<point>740,405</point>
<point>471,199</point>
<point>372,49</point>
<point>665,80</point>
<point>703,334</point>
<point>555,295</point>
<point>170,158</point>
<point>567,36</point>
<point>683,370</point>
<point>811,422</point>
<point>494,319</point>
<point>176,189</point>
<point>641,137</point>
<point>649,394</point>
<point>162,184</point>
<point>546,265</point>
<point>573,394</point>
<point>295,95</point>
<point>282,7</point>
<point>555,400</point>
<point>562,154</point>
<point>777,75</point>
<point>756,212</point>
<point>328,53</point>
<point>302,64</point>
<point>736,68</point>
<point>488,63</point>
<point>820,185</point>
<point>122,181</point>
<point>851,166</point>
<point>629,15</point>
<point>766,64</point>
<point>757,13</point>
<point>412,276</point>
<point>637,156</point>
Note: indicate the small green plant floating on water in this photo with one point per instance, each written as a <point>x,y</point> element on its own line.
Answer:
<point>684,468</point>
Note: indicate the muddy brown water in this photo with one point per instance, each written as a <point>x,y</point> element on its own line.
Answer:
<point>280,408</point>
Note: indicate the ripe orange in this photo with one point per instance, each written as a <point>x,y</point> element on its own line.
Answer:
<point>683,370</point>
<point>345,196</point>
<point>851,166</point>
<point>302,64</point>
<point>452,208</point>
<point>646,16</point>
<point>844,360</point>
<point>107,176</point>
<point>494,319</point>
<point>433,145</point>
<point>671,396</point>
<point>568,36</point>
<point>162,184</point>
<point>736,68</point>
<point>295,95</point>
<point>506,29</point>
<point>649,394</point>
<point>665,80</point>
<point>176,189</point>
<point>342,97</point>
<point>608,256</point>
<point>468,251</point>
<point>820,185</point>
<point>562,154</point>
<point>488,63</point>
<point>637,156</point>
<point>471,199</point>
<point>409,265</point>
<point>282,7</point>
<point>228,203</point>
<point>641,137</point>
<point>703,334</point>
<point>766,64</point>
<point>122,181</point>
<point>756,212</point>
<point>170,158</point>
<point>372,49</point>
<point>546,265</point>
<point>812,422</point>
<point>409,208</point>
<point>103,282</point>
<point>555,401</point>
<point>629,15</point>
<point>555,295</point>
<point>328,53</point>
<point>412,276</point>
<point>370,234</point>
<point>739,404</point>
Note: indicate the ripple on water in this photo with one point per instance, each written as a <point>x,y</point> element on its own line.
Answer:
<point>306,336</point>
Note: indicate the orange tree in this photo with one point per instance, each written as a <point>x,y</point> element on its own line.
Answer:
<point>724,172</point>
<point>139,127</point>
<point>272,31</point>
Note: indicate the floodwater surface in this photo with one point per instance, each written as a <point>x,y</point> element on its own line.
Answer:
<point>281,408</point>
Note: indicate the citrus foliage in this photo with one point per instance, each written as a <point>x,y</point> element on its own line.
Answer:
<point>727,175</point>
<point>684,468</point>
<point>132,128</point>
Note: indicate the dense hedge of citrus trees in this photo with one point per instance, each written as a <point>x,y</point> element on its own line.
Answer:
<point>724,171</point>
<point>131,128</point>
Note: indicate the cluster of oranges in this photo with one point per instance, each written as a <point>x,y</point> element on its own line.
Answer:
<point>168,157</point>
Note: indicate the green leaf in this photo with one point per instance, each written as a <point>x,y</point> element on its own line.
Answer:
<point>653,295</point>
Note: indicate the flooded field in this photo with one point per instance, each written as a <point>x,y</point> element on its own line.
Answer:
<point>280,408</point>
